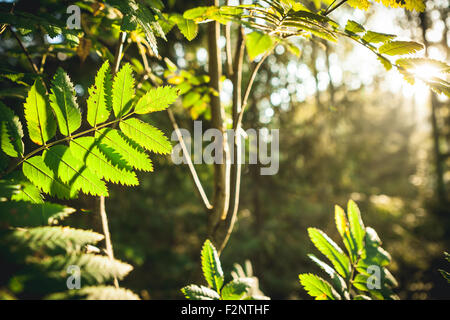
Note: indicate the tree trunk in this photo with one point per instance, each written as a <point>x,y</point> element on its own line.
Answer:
<point>439,165</point>
<point>221,170</point>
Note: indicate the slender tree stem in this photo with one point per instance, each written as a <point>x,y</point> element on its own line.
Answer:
<point>328,8</point>
<point>189,161</point>
<point>33,65</point>
<point>236,167</point>
<point>109,247</point>
<point>228,47</point>
<point>221,170</point>
<point>119,51</point>
<point>237,124</point>
<point>249,86</point>
<point>335,7</point>
<point>172,119</point>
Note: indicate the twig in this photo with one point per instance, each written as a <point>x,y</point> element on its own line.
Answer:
<point>328,8</point>
<point>119,51</point>
<point>33,65</point>
<point>221,170</point>
<point>194,175</point>
<point>335,7</point>
<point>236,168</point>
<point>249,86</point>
<point>109,248</point>
<point>228,47</point>
<point>189,161</point>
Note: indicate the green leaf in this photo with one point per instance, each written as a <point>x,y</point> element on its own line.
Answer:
<point>394,48</point>
<point>439,86</point>
<point>64,104</point>
<point>10,132</point>
<point>120,150</point>
<point>27,192</point>
<point>341,220</point>
<point>331,250</point>
<point>356,225</point>
<point>146,135</point>
<point>360,282</point>
<point>385,62</point>
<point>211,267</point>
<point>166,24</point>
<point>195,13</point>
<point>45,179</point>
<point>318,288</point>
<point>156,100</point>
<point>376,37</point>
<point>73,172</point>
<point>137,13</point>
<point>123,91</point>
<point>236,289</point>
<point>389,278</point>
<point>373,253</point>
<point>93,268</point>
<point>445,275</point>
<point>194,292</point>
<point>187,27</point>
<point>362,297</point>
<point>257,43</point>
<point>336,279</point>
<point>353,27</point>
<point>100,92</point>
<point>359,4</point>
<point>222,14</point>
<point>25,214</point>
<point>48,237</point>
<point>86,150</point>
<point>191,98</point>
<point>40,122</point>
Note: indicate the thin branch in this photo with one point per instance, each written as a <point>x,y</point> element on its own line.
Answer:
<point>249,86</point>
<point>328,8</point>
<point>228,47</point>
<point>33,65</point>
<point>109,248</point>
<point>44,59</point>
<point>194,175</point>
<point>236,168</point>
<point>335,7</point>
<point>221,170</point>
<point>119,51</point>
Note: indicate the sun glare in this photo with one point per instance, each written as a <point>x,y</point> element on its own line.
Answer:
<point>427,72</point>
<point>422,74</point>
